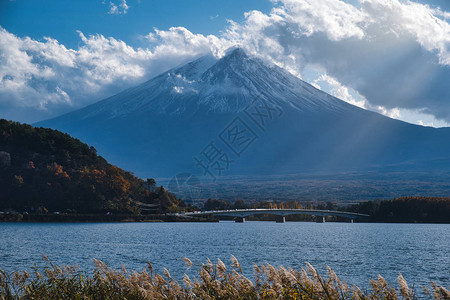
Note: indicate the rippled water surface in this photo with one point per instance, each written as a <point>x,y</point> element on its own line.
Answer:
<point>357,252</point>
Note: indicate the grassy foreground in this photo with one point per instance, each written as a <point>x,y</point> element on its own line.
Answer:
<point>215,281</point>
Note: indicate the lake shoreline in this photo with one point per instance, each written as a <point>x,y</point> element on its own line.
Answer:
<point>93,218</point>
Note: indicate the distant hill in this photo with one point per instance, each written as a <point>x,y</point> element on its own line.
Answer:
<point>45,170</point>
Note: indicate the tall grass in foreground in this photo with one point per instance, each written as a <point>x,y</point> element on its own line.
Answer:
<point>215,281</point>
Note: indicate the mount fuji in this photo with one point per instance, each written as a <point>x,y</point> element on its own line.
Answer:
<point>240,116</point>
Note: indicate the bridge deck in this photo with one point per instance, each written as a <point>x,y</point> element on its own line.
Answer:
<point>242,213</point>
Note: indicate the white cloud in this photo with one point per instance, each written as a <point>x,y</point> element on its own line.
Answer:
<point>335,88</point>
<point>47,78</point>
<point>439,13</point>
<point>338,90</point>
<point>416,116</point>
<point>393,53</point>
<point>336,18</point>
<point>118,7</point>
<point>180,42</point>
<point>419,20</point>
<point>420,117</point>
<point>178,89</point>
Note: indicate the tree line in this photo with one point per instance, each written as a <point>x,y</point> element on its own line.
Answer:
<point>400,210</point>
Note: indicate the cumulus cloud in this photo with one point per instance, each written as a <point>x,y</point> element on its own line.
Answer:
<point>389,56</point>
<point>44,78</point>
<point>336,18</point>
<point>180,42</point>
<point>393,53</point>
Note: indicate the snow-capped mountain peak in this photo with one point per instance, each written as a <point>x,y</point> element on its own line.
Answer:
<point>217,85</point>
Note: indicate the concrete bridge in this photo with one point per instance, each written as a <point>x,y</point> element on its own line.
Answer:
<point>241,214</point>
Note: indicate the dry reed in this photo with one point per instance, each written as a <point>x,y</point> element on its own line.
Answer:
<point>214,281</point>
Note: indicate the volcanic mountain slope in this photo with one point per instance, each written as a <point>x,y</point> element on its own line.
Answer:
<point>239,116</point>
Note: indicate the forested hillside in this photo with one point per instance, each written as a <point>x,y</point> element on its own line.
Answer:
<point>44,170</point>
<point>407,210</point>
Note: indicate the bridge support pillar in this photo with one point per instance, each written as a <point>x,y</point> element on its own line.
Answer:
<point>240,220</point>
<point>281,219</point>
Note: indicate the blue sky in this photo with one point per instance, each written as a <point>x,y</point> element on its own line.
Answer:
<point>392,56</point>
<point>61,19</point>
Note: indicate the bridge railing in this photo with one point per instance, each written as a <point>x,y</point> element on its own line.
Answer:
<point>276,211</point>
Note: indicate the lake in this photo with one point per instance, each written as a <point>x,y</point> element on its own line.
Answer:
<point>356,252</point>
